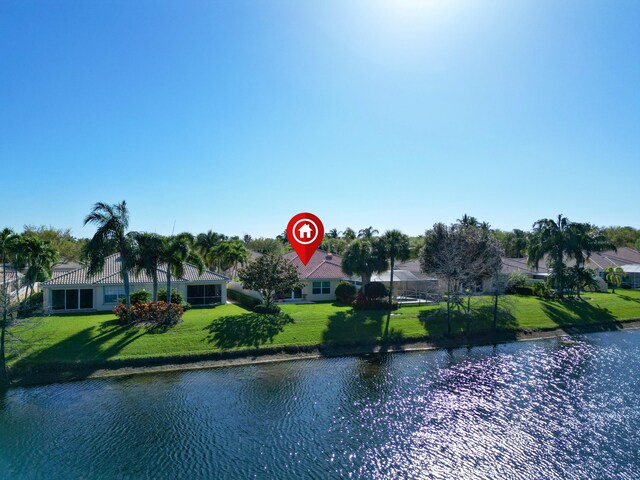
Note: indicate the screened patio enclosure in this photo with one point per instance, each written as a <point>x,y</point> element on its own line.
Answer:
<point>410,287</point>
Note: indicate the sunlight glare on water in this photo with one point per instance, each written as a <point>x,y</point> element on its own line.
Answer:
<point>523,410</point>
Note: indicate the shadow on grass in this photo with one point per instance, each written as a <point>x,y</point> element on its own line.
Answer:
<point>78,355</point>
<point>246,330</point>
<point>580,316</point>
<point>475,328</point>
<point>362,328</point>
<point>628,298</point>
<point>349,327</point>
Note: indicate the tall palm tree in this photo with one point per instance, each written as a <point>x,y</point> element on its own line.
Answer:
<point>112,222</point>
<point>150,253</point>
<point>333,233</point>
<point>364,258</point>
<point>396,247</point>
<point>8,240</point>
<point>180,250</point>
<point>614,276</point>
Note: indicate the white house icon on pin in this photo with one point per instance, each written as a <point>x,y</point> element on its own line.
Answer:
<point>304,231</point>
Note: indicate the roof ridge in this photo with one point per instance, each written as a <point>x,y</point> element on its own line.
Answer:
<point>67,273</point>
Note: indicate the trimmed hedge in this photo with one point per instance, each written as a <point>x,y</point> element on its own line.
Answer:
<point>345,293</point>
<point>270,310</point>
<point>243,299</point>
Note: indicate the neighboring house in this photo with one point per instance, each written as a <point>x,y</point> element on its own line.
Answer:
<point>626,258</point>
<point>78,290</point>
<point>15,280</point>
<point>521,265</point>
<point>61,268</point>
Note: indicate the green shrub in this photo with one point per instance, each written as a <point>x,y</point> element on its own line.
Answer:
<point>243,299</point>
<point>31,306</point>
<point>266,310</point>
<point>176,296</point>
<point>345,293</point>
<point>362,302</point>
<point>542,290</point>
<point>517,279</point>
<point>375,290</point>
<point>140,296</point>
<point>186,306</point>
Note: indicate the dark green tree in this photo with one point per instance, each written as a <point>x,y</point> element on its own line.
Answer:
<point>268,275</point>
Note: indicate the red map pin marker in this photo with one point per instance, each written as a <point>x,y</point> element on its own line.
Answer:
<point>305,233</point>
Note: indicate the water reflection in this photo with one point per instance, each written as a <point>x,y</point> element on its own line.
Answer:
<point>526,410</point>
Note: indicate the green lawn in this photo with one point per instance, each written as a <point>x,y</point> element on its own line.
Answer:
<point>94,339</point>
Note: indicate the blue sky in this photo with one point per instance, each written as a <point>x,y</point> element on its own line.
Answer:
<point>235,115</point>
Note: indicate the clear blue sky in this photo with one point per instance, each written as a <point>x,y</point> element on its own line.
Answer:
<point>235,115</point>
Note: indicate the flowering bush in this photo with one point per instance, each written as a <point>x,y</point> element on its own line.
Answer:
<point>150,313</point>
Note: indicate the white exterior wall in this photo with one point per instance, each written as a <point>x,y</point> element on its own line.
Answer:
<point>307,291</point>
<point>237,286</point>
<point>98,293</point>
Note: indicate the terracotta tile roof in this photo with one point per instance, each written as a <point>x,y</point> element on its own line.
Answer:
<point>321,265</point>
<point>111,275</point>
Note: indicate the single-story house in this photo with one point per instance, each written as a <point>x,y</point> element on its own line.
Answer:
<point>626,258</point>
<point>77,290</point>
<point>320,277</point>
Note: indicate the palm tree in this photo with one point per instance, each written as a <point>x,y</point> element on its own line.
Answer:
<point>560,239</point>
<point>469,221</point>
<point>8,240</point>
<point>150,252</point>
<point>614,276</point>
<point>364,258</point>
<point>206,244</point>
<point>367,233</point>
<point>232,253</point>
<point>39,257</point>
<point>112,222</point>
<point>396,247</point>
<point>349,234</point>
<point>179,251</point>
<point>333,233</point>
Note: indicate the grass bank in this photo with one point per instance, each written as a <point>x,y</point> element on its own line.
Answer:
<point>85,343</point>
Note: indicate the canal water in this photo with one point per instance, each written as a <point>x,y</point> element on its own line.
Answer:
<point>542,409</point>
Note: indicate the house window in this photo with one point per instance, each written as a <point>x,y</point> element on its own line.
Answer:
<point>204,294</point>
<point>72,299</point>
<point>321,288</point>
<point>112,294</point>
